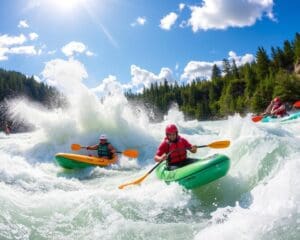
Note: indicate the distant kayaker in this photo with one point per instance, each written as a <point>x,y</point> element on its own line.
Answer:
<point>177,146</point>
<point>276,108</point>
<point>105,149</point>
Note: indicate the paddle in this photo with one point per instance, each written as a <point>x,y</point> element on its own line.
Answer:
<point>260,117</point>
<point>131,153</point>
<point>218,144</point>
<point>257,118</point>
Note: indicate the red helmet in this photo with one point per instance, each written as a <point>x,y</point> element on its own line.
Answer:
<point>277,100</point>
<point>171,128</point>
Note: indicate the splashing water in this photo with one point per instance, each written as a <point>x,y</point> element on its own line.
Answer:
<point>258,199</point>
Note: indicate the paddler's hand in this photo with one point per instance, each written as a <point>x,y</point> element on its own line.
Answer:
<point>161,158</point>
<point>194,149</point>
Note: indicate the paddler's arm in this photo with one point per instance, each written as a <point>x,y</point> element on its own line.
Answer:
<point>111,149</point>
<point>93,147</point>
<point>160,158</point>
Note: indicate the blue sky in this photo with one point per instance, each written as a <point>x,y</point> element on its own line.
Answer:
<point>131,43</point>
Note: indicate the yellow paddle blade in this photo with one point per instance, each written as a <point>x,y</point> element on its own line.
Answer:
<point>75,147</point>
<point>131,153</point>
<point>137,181</point>
<point>219,144</point>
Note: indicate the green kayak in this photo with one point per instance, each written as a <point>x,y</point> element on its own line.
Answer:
<point>197,173</point>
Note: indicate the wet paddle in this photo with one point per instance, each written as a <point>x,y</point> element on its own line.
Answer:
<point>260,117</point>
<point>257,118</point>
<point>131,153</point>
<point>218,144</point>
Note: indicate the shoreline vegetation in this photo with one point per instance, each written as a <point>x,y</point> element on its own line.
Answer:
<point>232,89</point>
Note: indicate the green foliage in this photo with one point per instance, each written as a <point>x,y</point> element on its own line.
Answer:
<point>14,84</point>
<point>241,89</point>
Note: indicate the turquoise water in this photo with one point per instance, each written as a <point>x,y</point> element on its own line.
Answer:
<point>259,198</point>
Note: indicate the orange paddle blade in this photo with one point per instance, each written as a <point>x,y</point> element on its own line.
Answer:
<point>137,181</point>
<point>219,144</point>
<point>257,118</point>
<point>131,153</point>
<point>297,104</point>
<point>75,147</point>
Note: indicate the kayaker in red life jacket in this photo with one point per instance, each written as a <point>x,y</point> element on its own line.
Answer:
<point>276,108</point>
<point>105,149</point>
<point>173,142</point>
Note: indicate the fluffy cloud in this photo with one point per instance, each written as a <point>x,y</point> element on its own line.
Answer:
<point>202,70</point>
<point>220,14</point>
<point>33,36</point>
<point>241,60</point>
<point>6,40</point>
<point>198,69</point>
<point>181,6</point>
<point>109,85</point>
<point>143,78</point>
<point>139,21</point>
<point>168,21</point>
<point>23,24</point>
<point>75,47</point>
<point>11,45</point>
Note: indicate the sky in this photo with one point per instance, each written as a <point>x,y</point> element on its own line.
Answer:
<point>129,44</point>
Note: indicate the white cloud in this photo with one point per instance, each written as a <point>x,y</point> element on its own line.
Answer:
<point>220,14</point>
<point>6,40</point>
<point>89,53</point>
<point>51,52</point>
<point>28,50</point>
<point>109,85</point>
<point>202,69</point>
<point>23,24</point>
<point>11,45</point>
<point>33,36</point>
<point>241,60</point>
<point>168,21</point>
<point>73,47</point>
<point>142,78</point>
<point>37,78</point>
<point>139,21</point>
<point>181,6</point>
<point>198,69</point>
<point>3,52</point>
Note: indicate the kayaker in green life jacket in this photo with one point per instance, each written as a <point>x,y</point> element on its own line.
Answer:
<point>104,148</point>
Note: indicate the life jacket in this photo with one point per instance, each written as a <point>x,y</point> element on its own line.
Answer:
<point>280,113</point>
<point>103,150</point>
<point>178,155</point>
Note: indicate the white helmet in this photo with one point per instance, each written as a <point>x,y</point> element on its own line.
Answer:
<point>103,137</point>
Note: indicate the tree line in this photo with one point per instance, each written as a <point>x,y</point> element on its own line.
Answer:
<point>232,89</point>
<point>14,84</point>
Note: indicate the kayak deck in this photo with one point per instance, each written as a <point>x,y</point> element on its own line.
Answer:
<point>198,173</point>
<point>73,161</point>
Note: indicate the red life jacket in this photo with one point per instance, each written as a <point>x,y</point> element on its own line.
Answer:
<point>180,154</point>
<point>281,112</point>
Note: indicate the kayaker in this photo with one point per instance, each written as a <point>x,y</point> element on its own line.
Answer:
<point>276,108</point>
<point>177,146</point>
<point>105,149</point>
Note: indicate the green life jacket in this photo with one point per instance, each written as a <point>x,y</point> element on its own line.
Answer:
<point>103,150</point>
